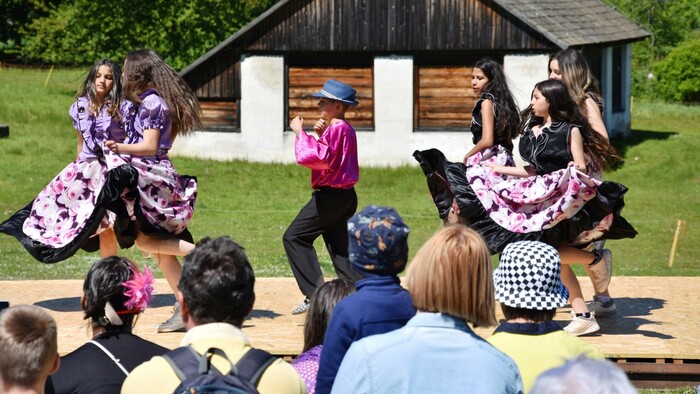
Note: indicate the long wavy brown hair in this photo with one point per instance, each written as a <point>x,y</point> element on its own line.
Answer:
<point>144,69</point>
<point>577,76</point>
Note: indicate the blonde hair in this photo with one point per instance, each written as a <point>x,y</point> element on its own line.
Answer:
<point>452,273</point>
<point>28,345</point>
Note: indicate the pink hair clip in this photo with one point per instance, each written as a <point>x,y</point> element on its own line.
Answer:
<point>139,291</point>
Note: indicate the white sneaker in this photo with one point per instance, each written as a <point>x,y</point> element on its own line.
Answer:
<point>582,325</point>
<point>602,309</point>
<point>602,271</point>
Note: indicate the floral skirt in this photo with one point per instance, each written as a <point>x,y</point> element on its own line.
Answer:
<point>564,206</point>
<point>163,202</point>
<point>71,210</point>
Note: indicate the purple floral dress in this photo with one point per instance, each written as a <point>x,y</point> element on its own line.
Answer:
<point>164,200</point>
<point>72,208</point>
<point>557,205</point>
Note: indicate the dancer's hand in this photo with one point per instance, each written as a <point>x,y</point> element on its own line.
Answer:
<point>296,125</point>
<point>111,145</point>
<point>320,127</point>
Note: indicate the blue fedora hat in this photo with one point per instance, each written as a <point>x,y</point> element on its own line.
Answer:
<point>338,91</point>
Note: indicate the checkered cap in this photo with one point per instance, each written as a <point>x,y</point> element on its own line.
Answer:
<point>528,276</point>
<point>378,241</point>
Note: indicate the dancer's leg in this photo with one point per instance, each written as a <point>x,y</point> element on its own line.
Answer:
<point>108,243</point>
<point>575,293</point>
<point>172,270</point>
<point>170,246</point>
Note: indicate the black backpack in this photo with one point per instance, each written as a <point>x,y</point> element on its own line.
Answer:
<point>198,375</point>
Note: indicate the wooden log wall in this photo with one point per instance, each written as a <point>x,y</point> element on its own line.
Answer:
<point>220,115</point>
<point>302,81</point>
<point>443,98</point>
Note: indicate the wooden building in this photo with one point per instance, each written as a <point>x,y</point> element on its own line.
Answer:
<point>410,61</point>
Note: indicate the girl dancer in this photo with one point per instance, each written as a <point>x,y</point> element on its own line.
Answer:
<point>571,67</point>
<point>495,116</point>
<point>70,210</point>
<point>494,124</point>
<point>163,107</point>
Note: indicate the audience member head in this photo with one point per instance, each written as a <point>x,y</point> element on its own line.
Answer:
<point>28,348</point>
<point>115,291</point>
<point>322,303</point>
<point>584,375</point>
<point>528,282</point>
<point>217,284</point>
<point>451,273</point>
<point>378,242</point>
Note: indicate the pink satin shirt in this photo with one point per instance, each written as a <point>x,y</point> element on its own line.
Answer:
<point>331,158</point>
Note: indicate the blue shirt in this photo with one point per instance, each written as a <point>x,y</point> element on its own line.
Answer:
<point>433,353</point>
<point>379,305</point>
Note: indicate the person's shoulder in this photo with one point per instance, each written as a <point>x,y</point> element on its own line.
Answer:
<point>154,101</point>
<point>281,377</point>
<point>154,375</point>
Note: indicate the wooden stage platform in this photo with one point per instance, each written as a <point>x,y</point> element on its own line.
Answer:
<point>655,336</point>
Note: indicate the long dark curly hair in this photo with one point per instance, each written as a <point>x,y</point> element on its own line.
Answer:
<point>562,108</point>
<point>145,69</point>
<point>506,124</point>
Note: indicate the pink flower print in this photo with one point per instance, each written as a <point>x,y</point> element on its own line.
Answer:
<point>68,236</point>
<point>71,195</point>
<point>45,206</point>
<point>56,187</point>
<point>68,175</point>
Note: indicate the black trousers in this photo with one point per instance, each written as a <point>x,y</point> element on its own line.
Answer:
<point>326,214</point>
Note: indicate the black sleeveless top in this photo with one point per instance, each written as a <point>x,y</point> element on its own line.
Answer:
<point>551,150</point>
<point>477,127</point>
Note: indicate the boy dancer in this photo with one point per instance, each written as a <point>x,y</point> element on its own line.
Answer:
<point>332,158</point>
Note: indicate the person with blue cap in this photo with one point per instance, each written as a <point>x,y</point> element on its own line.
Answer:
<point>378,246</point>
<point>331,154</point>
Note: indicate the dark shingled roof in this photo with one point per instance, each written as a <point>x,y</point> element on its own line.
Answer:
<point>570,23</point>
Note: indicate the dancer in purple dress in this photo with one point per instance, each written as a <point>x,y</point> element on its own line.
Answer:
<point>72,211</point>
<point>163,202</point>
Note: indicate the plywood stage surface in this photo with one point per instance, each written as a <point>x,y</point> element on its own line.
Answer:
<point>658,317</point>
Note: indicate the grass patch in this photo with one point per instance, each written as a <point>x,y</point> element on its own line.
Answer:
<point>254,203</point>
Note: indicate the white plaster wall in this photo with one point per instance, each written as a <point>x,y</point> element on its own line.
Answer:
<point>522,73</point>
<point>262,119</point>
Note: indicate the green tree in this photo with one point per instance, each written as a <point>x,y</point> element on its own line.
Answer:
<point>78,32</point>
<point>678,72</point>
<point>671,22</point>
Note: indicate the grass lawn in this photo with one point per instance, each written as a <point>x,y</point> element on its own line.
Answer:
<point>254,203</point>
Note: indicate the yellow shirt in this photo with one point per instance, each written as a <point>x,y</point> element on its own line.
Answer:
<point>157,376</point>
<point>536,353</point>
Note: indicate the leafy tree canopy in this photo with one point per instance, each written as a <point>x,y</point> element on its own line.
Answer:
<point>78,32</point>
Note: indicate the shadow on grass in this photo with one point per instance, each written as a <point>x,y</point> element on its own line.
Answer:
<point>636,137</point>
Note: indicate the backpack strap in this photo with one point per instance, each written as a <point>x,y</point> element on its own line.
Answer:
<point>252,365</point>
<point>187,363</point>
<point>184,361</point>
